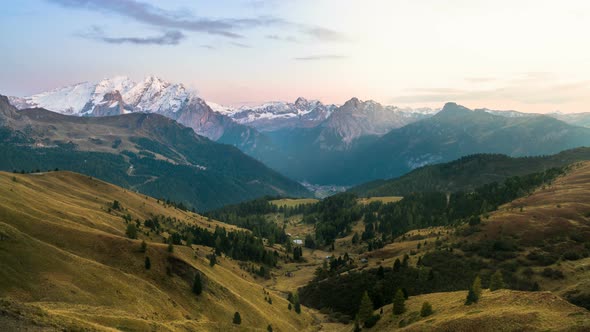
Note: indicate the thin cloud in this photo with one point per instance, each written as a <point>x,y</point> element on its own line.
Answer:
<point>324,34</point>
<point>527,90</point>
<point>182,20</point>
<point>321,57</point>
<point>290,39</point>
<point>477,80</point>
<point>167,38</point>
<point>241,45</point>
<point>148,14</point>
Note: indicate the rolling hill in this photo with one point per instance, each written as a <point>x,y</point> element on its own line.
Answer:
<point>68,265</point>
<point>467,173</point>
<point>145,152</point>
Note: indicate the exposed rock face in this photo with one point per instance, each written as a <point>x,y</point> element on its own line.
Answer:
<point>112,104</point>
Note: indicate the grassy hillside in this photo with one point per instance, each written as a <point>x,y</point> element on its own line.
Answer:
<point>67,264</point>
<point>501,310</point>
<point>467,173</point>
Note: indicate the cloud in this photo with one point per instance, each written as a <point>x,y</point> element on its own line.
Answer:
<point>167,38</point>
<point>477,80</point>
<point>324,34</point>
<point>185,21</point>
<point>528,88</point>
<point>148,14</point>
<point>321,57</point>
<point>242,45</point>
<point>290,39</point>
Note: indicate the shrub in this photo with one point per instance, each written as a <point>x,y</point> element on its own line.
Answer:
<point>131,231</point>
<point>552,273</point>
<point>237,319</point>
<point>148,264</point>
<point>426,309</point>
<point>571,256</point>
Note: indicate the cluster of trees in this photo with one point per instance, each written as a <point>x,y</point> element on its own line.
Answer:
<point>438,271</point>
<point>238,245</point>
<point>334,266</point>
<point>251,215</point>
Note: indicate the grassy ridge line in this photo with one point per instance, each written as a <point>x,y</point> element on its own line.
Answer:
<point>467,173</point>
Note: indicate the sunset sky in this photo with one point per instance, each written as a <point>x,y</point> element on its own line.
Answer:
<point>531,56</point>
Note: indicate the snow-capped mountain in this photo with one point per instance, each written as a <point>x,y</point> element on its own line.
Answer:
<point>272,116</point>
<point>152,95</point>
<point>120,95</point>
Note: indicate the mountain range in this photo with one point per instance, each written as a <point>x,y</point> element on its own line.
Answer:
<point>146,152</point>
<point>327,144</point>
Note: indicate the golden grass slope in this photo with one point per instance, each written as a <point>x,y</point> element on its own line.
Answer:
<point>502,310</point>
<point>66,264</point>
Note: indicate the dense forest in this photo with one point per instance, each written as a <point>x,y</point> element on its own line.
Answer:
<point>334,216</point>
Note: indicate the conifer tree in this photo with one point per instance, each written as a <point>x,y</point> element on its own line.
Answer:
<point>399,306</point>
<point>497,282</point>
<point>477,286</point>
<point>396,265</point>
<point>296,303</point>
<point>474,292</point>
<point>365,308</point>
<point>237,319</point>
<point>148,263</point>
<point>198,284</point>
<point>143,246</point>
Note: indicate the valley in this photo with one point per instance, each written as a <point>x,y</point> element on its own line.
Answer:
<point>294,166</point>
<point>78,240</point>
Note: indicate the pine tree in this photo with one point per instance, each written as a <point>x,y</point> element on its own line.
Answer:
<point>380,272</point>
<point>198,284</point>
<point>143,246</point>
<point>289,307</point>
<point>365,308</point>
<point>397,265</point>
<point>170,247</point>
<point>237,319</point>
<point>148,264</point>
<point>296,303</point>
<point>477,287</point>
<point>474,292</point>
<point>426,309</point>
<point>212,260</point>
<point>471,297</point>
<point>497,282</point>
<point>269,328</point>
<point>399,306</point>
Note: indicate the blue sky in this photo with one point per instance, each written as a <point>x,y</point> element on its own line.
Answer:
<point>527,55</point>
